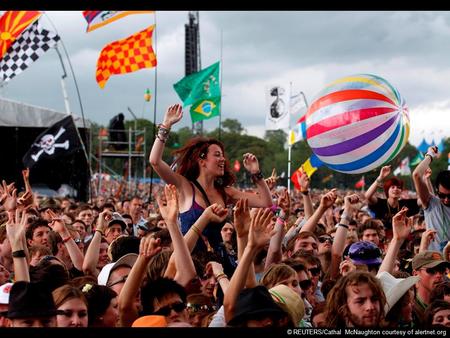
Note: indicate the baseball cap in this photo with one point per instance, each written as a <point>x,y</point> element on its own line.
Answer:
<point>4,293</point>
<point>150,321</point>
<point>364,252</point>
<point>428,259</point>
<point>395,288</point>
<point>125,260</point>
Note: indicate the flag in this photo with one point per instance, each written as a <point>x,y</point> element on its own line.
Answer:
<point>403,169</point>
<point>237,166</point>
<point>448,168</point>
<point>59,140</point>
<point>309,167</point>
<point>125,56</point>
<point>12,24</point>
<point>298,105</point>
<point>205,109</point>
<point>416,160</point>
<point>297,133</point>
<point>199,86</point>
<point>277,105</point>
<point>97,19</point>
<point>361,183</point>
<point>28,47</point>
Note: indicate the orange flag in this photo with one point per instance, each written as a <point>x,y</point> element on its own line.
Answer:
<point>12,24</point>
<point>126,56</point>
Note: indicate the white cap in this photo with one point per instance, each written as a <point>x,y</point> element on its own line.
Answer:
<point>4,293</point>
<point>395,288</point>
<point>126,260</point>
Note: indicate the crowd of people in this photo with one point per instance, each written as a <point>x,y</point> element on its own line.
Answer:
<point>203,253</point>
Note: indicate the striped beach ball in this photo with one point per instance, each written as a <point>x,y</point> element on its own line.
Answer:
<point>357,123</point>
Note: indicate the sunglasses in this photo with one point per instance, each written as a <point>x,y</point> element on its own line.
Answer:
<point>314,271</point>
<point>433,271</point>
<point>324,239</point>
<point>165,310</point>
<point>443,196</point>
<point>305,284</point>
<point>118,281</point>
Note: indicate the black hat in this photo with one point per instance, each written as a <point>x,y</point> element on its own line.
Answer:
<point>28,300</point>
<point>117,219</point>
<point>255,302</point>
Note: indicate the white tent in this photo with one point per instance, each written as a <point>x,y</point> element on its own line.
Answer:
<point>17,114</point>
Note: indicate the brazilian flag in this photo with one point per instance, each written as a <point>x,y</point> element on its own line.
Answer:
<point>205,109</point>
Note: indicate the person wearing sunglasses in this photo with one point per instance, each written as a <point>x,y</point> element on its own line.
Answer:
<point>313,270</point>
<point>165,297</point>
<point>436,208</point>
<point>431,267</point>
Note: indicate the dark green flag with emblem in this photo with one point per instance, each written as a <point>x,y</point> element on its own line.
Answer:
<point>201,90</point>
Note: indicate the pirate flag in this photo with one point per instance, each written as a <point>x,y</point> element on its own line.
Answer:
<point>61,139</point>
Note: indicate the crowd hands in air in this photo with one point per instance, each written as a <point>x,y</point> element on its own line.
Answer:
<point>203,253</point>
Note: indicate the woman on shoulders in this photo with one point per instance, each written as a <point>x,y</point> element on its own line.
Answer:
<point>202,176</point>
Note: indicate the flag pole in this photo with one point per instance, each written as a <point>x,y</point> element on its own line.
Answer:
<point>88,157</point>
<point>289,143</point>
<point>221,75</point>
<point>154,110</point>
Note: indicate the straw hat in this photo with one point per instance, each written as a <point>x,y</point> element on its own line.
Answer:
<point>395,288</point>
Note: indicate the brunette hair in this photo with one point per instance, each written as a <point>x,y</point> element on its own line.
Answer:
<point>336,310</point>
<point>197,148</point>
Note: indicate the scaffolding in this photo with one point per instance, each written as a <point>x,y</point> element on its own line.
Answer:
<point>132,150</point>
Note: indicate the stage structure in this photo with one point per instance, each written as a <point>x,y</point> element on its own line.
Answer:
<point>20,125</point>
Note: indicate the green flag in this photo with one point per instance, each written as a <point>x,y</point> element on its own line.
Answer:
<point>416,160</point>
<point>201,85</point>
<point>205,109</point>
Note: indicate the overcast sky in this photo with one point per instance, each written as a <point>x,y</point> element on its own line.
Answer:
<point>310,49</point>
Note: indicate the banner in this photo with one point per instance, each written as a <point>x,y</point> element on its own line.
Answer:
<point>403,169</point>
<point>277,107</point>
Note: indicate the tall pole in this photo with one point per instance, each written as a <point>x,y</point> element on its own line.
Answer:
<point>289,143</point>
<point>221,75</point>
<point>154,110</point>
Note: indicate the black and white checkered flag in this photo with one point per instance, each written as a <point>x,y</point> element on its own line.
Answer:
<point>28,47</point>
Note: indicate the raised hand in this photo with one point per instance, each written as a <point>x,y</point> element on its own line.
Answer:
<point>15,228</point>
<point>173,114</point>
<point>103,218</point>
<point>215,213</point>
<point>401,225</point>
<point>272,180</point>
<point>427,236</point>
<point>304,180</point>
<point>284,202</point>
<point>169,211</point>
<point>27,198</point>
<point>149,246</point>
<point>328,199</point>
<point>251,163</point>
<point>242,217</point>
<point>214,267</point>
<point>349,202</point>
<point>261,228</point>
<point>10,201</point>
<point>384,172</point>
<point>346,267</point>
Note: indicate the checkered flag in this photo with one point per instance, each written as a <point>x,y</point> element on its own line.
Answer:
<point>28,47</point>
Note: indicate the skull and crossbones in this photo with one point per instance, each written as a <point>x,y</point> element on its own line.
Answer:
<point>47,143</point>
